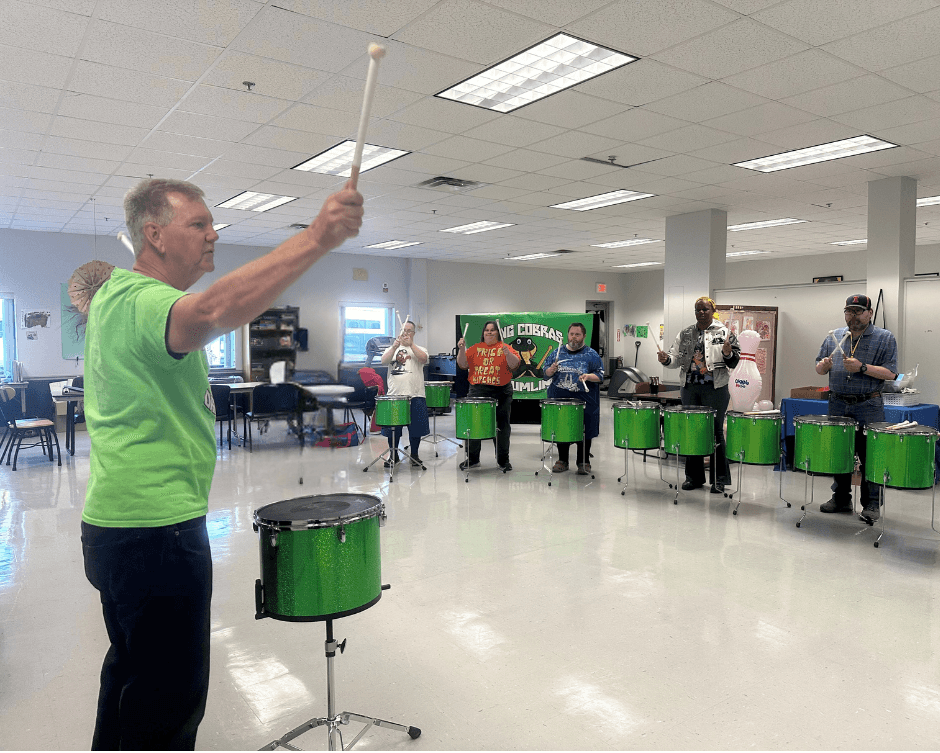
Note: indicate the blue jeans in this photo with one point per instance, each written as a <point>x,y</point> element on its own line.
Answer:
<point>156,588</point>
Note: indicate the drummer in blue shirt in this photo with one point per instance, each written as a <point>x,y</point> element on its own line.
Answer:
<point>576,372</point>
<point>857,369</point>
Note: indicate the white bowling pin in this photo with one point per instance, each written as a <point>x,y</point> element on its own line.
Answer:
<point>746,382</point>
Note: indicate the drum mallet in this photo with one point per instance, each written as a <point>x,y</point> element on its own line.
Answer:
<point>126,241</point>
<point>376,53</point>
<point>649,332</point>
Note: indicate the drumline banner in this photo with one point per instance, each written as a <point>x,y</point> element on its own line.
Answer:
<point>532,334</point>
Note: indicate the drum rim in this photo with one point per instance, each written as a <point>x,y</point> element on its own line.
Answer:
<point>688,409</point>
<point>436,384</point>
<point>476,400</point>
<point>376,510</point>
<point>826,420</point>
<point>910,431</point>
<point>392,397</point>
<point>739,414</point>
<point>570,401</point>
<point>636,405</point>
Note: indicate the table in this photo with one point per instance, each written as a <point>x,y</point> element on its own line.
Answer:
<point>70,401</point>
<point>320,391</point>
<point>241,388</point>
<point>663,397</point>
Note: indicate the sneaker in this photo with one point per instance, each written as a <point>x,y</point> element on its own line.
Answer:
<point>469,464</point>
<point>505,467</point>
<point>833,506</point>
<point>584,469</point>
<point>559,467</point>
<point>718,488</point>
<point>688,486</point>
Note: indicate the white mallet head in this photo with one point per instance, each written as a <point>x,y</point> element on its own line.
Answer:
<point>376,51</point>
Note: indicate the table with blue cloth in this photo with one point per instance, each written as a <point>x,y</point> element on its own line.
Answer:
<point>925,414</point>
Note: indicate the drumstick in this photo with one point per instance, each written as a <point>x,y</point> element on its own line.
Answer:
<point>376,53</point>
<point>649,331</point>
<point>126,241</point>
<point>832,334</point>
<point>465,328</point>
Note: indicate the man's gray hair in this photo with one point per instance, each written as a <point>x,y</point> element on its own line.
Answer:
<point>148,202</point>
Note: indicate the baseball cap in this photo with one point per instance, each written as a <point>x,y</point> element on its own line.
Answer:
<point>858,301</point>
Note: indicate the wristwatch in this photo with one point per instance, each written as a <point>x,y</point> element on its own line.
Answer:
<point>863,368</point>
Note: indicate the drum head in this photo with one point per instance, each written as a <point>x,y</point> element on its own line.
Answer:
<point>825,420</point>
<point>317,511</point>
<point>476,400</point>
<point>688,409</point>
<point>882,427</point>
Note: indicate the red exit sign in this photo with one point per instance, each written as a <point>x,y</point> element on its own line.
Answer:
<point>600,287</point>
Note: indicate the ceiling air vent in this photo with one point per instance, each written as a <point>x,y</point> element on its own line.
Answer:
<point>450,185</point>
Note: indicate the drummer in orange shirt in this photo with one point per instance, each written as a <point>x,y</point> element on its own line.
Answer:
<point>490,364</point>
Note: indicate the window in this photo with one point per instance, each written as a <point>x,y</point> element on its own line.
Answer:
<point>7,337</point>
<point>221,352</point>
<point>360,324</point>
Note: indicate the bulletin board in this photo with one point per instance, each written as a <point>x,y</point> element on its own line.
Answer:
<point>763,320</point>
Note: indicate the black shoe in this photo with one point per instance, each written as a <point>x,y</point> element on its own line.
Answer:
<point>505,467</point>
<point>718,488</point>
<point>833,506</point>
<point>469,464</point>
<point>688,486</point>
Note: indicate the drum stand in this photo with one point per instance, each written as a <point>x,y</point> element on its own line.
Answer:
<point>333,720</point>
<point>678,455</point>
<point>390,457</point>
<point>626,453</point>
<point>737,489</point>
<point>436,438</point>
<point>887,478</point>
<point>809,483</point>
<point>551,455</point>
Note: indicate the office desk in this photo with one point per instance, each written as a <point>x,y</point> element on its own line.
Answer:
<point>242,388</point>
<point>335,393</point>
<point>70,402</point>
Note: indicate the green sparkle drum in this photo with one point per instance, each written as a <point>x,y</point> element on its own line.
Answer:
<point>824,444</point>
<point>906,454</point>
<point>753,439</point>
<point>637,425</point>
<point>437,394</point>
<point>688,430</point>
<point>320,557</point>
<point>475,418</point>
<point>562,421</point>
<point>393,410</point>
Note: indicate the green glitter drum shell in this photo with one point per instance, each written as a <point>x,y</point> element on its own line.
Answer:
<point>391,410</point>
<point>753,439</point>
<point>824,444</point>
<point>636,426</point>
<point>689,431</point>
<point>475,418</point>
<point>562,420</point>
<point>905,454</point>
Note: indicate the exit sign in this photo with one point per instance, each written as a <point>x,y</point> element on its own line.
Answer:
<point>600,287</point>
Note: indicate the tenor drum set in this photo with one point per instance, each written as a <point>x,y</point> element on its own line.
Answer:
<point>320,561</point>
<point>475,418</point>
<point>562,422</point>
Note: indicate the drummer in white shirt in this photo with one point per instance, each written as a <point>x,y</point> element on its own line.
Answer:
<point>406,361</point>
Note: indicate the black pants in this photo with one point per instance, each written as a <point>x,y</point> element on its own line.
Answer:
<point>395,438</point>
<point>708,396</point>
<point>583,454</point>
<point>864,413</point>
<point>503,398</point>
<point>156,588</point>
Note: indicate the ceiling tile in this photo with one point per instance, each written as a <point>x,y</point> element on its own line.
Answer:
<point>27,66</point>
<point>472,30</point>
<point>240,105</point>
<point>345,93</point>
<point>161,159</point>
<point>644,27</point>
<point>334,123</point>
<point>808,134</point>
<point>920,76</point>
<point>893,44</point>
<point>127,85</point>
<point>443,115</point>
<point>739,46</point>
<point>28,97</point>
<point>526,160</point>
<point>174,142</point>
<point>574,144</point>
<point>860,92</point>
<point>461,147</point>
<point>569,109</point>
<point>689,138</point>
<point>43,29</point>
<point>212,23</point>
<point>635,125</point>
<point>87,107</point>
<point>891,114</point>
<point>24,121</point>
<point>555,12</point>
<point>513,131</point>
<point>798,73</point>
<point>205,126</point>
<point>270,78</point>
<point>382,19</point>
<point>411,138</point>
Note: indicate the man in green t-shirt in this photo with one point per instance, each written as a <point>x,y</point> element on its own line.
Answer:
<point>151,421</point>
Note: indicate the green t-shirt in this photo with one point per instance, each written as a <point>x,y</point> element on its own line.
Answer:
<point>150,415</point>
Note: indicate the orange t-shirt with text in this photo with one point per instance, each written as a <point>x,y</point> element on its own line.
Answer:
<point>487,365</point>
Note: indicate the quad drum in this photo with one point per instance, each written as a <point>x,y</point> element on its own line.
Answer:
<point>824,444</point>
<point>437,394</point>
<point>320,557</point>
<point>753,439</point>
<point>475,418</point>
<point>906,454</point>
<point>689,431</point>
<point>562,421</point>
<point>393,410</point>
<point>636,425</point>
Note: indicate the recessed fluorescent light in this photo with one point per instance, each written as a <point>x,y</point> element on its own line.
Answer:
<point>337,160</point>
<point>621,244</point>
<point>220,225</point>
<point>638,264</point>
<point>602,200</point>
<point>765,223</point>
<point>529,257</point>
<point>928,201</point>
<point>746,253</point>
<point>477,227</point>
<point>859,242</point>
<point>551,66</point>
<point>255,202</point>
<point>813,154</point>
<point>394,244</point>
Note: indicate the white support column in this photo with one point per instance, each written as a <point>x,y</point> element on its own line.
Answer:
<point>696,245</point>
<point>892,217</point>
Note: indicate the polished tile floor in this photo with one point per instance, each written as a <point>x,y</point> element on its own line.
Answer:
<point>521,616</point>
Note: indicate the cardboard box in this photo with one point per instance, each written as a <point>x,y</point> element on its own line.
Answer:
<point>810,393</point>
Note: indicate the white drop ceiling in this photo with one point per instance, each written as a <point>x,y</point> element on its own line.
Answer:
<point>97,94</point>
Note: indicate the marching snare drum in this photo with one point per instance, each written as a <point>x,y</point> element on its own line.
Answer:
<point>906,454</point>
<point>753,439</point>
<point>636,425</point>
<point>320,557</point>
<point>824,444</point>
<point>393,410</point>
<point>437,394</point>
<point>689,430</point>
<point>562,420</point>
<point>475,418</point>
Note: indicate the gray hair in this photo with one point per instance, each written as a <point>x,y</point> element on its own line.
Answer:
<point>148,202</point>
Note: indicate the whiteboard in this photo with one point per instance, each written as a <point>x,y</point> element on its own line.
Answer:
<point>922,335</point>
<point>806,313</point>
